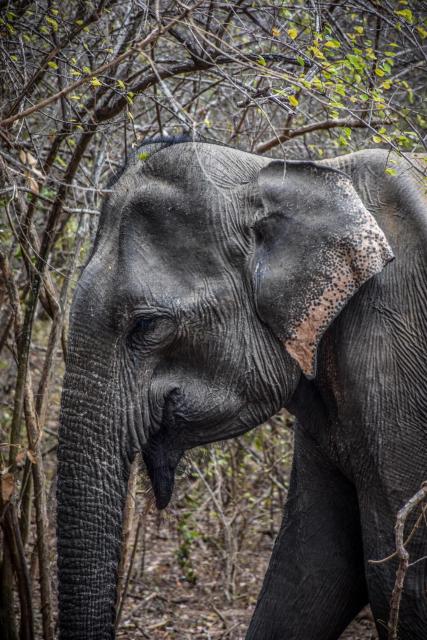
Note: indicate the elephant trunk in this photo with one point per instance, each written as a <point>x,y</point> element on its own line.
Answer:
<point>92,480</point>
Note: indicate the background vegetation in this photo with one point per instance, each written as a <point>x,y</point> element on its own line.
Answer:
<point>83,84</point>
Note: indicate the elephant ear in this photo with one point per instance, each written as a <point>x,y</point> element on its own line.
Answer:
<point>316,244</point>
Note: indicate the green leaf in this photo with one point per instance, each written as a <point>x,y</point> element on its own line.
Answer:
<point>406,14</point>
<point>261,61</point>
<point>317,53</point>
<point>332,44</point>
<point>53,23</point>
<point>317,83</point>
<point>95,82</point>
<point>293,100</point>
<point>377,139</point>
<point>379,72</point>
<point>356,61</point>
<point>144,155</point>
<point>52,64</point>
<point>292,33</point>
<point>390,171</point>
<point>60,161</point>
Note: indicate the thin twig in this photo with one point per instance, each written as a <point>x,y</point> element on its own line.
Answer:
<point>403,556</point>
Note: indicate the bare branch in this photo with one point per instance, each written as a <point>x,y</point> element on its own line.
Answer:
<point>315,126</point>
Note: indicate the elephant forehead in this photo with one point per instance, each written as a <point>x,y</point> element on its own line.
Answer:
<point>166,231</point>
<point>168,247</point>
<point>165,208</point>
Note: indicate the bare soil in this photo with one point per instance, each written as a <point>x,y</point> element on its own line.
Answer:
<point>163,603</point>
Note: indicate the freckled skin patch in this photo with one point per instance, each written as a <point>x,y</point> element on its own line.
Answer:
<point>346,269</point>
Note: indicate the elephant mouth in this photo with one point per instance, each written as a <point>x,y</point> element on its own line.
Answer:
<point>161,465</point>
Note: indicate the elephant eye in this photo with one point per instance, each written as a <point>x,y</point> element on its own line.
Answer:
<point>139,330</point>
<point>144,324</point>
<point>149,334</point>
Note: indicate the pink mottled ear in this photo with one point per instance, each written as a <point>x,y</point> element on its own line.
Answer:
<point>316,245</point>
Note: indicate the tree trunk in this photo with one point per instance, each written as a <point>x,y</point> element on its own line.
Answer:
<point>7,615</point>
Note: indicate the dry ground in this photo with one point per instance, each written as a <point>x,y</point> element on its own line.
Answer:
<point>163,604</point>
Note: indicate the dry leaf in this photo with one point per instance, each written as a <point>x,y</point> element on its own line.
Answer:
<point>23,156</point>
<point>38,173</point>
<point>31,456</point>
<point>32,183</point>
<point>31,160</point>
<point>7,486</point>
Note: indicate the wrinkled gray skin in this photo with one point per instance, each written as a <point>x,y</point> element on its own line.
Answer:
<point>211,266</point>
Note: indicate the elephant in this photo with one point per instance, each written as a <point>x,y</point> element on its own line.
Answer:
<point>222,286</point>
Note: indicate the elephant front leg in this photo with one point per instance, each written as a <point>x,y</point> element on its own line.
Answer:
<point>315,582</point>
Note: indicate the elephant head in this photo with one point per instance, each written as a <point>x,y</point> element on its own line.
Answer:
<point>212,279</point>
